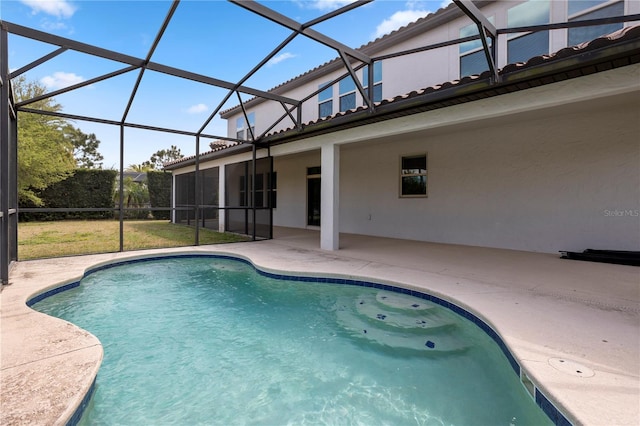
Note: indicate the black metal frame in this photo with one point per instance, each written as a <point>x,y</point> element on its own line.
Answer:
<point>347,55</point>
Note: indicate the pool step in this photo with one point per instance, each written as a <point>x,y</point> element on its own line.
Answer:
<point>402,302</point>
<point>399,321</point>
<point>410,318</point>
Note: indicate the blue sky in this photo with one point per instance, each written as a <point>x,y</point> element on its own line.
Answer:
<point>214,38</point>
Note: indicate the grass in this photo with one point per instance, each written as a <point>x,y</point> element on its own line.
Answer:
<point>38,240</point>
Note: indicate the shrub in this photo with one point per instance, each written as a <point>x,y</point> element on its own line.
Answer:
<point>160,192</point>
<point>85,188</point>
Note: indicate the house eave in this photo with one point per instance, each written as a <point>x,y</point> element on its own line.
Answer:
<point>214,155</point>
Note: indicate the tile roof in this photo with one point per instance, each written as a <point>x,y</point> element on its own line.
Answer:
<point>620,48</point>
<point>203,155</point>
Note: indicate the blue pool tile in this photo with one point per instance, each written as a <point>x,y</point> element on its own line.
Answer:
<point>51,292</point>
<point>550,410</point>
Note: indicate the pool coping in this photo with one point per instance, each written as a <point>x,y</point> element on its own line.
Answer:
<point>543,396</point>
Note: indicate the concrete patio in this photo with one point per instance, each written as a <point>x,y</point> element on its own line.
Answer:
<point>544,308</point>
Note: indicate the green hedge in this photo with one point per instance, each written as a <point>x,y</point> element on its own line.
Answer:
<point>86,188</point>
<point>159,184</point>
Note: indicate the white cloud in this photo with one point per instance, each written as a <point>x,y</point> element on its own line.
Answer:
<point>197,109</point>
<point>53,26</point>
<point>399,19</point>
<point>61,79</point>
<point>281,57</point>
<point>57,8</point>
<point>324,4</point>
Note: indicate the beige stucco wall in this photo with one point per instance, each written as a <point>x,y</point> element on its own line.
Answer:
<point>565,181</point>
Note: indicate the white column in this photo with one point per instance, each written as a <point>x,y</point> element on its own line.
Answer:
<point>222,215</point>
<point>330,198</point>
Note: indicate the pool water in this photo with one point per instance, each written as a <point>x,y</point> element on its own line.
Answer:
<point>203,340</point>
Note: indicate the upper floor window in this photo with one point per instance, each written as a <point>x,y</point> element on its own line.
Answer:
<point>522,47</point>
<point>472,57</point>
<point>242,130</point>
<point>325,101</point>
<point>580,10</point>
<point>377,81</point>
<point>347,94</point>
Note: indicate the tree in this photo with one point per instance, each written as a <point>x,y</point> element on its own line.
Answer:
<point>140,168</point>
<point>157,160</point>
<point>134,195</point>
<point>45,156</point>
<point>85,148</point>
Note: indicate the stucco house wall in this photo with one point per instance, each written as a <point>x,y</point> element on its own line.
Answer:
<point>558,175</point>
<point>561,181</point>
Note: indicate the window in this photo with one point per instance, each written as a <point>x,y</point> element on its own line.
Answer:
<point>522,47</point>
<point>377,81</point>
<point>576,6</point>
<point>240,127</point>
<point>581,34</point>
<point>472,58</point>
<point>252,125</point>
<point>325,101</point>
<point>347,94</point>
<point>413,176</point>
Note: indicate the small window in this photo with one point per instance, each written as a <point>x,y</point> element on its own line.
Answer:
<point>347,94</point>
<point>251,129</point>
<point>325,101</point>
<point>472,58</point>
<point>413,176</point>
<point>377,81</point>
<point>240,128</point>
<point>581,34</point>
<point>522,47</point>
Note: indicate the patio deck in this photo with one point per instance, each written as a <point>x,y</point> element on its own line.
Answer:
<point>543,307</point>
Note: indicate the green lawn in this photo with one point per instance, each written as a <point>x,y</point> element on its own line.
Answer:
<point>64,238</point>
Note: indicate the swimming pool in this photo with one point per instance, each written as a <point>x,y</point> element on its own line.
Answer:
<point>209,340</point>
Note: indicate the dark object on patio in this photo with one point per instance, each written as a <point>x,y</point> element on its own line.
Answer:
<point>619,257</point>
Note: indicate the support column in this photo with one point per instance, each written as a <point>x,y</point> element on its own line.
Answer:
<point>222,213</point>
<point>330,198</point>
<point>173,198</point>
<point>4,160</point>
